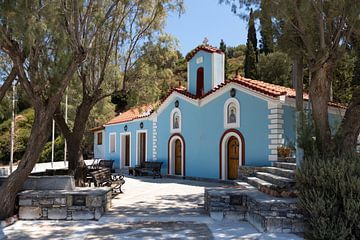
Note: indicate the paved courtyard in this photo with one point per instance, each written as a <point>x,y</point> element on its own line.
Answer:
<point>148,209</point>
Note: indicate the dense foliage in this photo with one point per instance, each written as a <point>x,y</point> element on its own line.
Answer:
<point>329,193</point>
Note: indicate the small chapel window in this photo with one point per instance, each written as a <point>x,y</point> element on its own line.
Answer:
<point>231,113</point>
<point>175,120</point>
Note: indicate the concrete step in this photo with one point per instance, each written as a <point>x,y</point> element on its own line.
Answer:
<point>280,172</point>
<point>286,165</point>
<point>287,159</point>
<point>282,182</point>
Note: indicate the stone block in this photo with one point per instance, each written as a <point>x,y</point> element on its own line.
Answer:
<point>83,215</point>
<point>98,213</point>
<point>46,201</point>
<point>274,225</point>
<point>60,201</point>
<point>69,201</point>
<point>57,213</point>
<point>217,216</point>
<point>30,213</point>
<point>94,201</point>
<point>234,216</point>
<point>25,202</point>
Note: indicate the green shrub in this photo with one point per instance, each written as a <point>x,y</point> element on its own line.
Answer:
<point>329,196</point>
<point>45,155</point>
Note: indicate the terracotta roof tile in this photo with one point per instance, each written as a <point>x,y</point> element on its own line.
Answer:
<point>204,47</point>
<point>97,128</point>
<point>269,89</point>
<point>132,114</point>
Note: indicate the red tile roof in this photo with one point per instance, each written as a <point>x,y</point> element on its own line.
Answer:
<point>132,114</point>
<point>95,129</point>
<point>269,89</point>
<point>204,47</point>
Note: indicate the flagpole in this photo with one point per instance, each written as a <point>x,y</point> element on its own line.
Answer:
<point>66,120</point>
<point>52,143</point>
<point>12,130</point>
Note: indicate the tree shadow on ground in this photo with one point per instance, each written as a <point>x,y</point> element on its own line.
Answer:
<point>166,180</point>
<point>170,205</point>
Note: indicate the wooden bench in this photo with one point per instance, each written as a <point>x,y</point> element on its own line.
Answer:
<point>100,177</point>
<point>149,167</point>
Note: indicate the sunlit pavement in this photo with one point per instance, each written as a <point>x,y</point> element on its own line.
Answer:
<point>148,209</point>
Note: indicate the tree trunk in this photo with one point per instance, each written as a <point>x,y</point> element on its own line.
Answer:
<point>320,96</point>
<point>36,142</point>
<point>350,126</point>
<point>74,139</point>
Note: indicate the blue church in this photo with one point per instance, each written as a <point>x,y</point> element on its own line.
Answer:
<point>208,129</point>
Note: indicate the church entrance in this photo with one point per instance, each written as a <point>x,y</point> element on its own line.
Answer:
<point>178,157</point>
<point>233,157</point>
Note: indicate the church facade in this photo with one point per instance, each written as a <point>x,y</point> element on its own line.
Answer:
<point>208,129</point>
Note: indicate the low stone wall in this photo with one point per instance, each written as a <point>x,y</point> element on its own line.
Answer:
<point>267,214</point>
<point>77,204</point>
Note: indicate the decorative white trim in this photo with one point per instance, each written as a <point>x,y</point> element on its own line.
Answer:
<point>212,71</point>
<point>122,147</point>
<point>276,129</point>
<point>237,104</point>
<point>223,69</point>
<point>137,145</point>
<point>154,133</point>
<point>175,130</point>
<point>172,155</point>
<point>224,158</point>
<point>199,60</point>
<point>188,75</point>
<point>110,135</point>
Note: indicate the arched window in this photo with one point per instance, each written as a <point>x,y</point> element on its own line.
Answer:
<point>175,120</point>
<point>200,82</point>
<point>231,113</point>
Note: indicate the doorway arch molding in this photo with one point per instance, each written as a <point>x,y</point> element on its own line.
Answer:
<point>171,153</point>
<point>223,151</point>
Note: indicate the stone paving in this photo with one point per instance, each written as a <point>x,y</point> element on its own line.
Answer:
<point>148,209</point>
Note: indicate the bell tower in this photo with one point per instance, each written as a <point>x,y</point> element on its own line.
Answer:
<point>205,69</point>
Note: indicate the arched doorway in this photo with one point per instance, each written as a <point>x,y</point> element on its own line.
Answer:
<point>233,157</point>
<point>176,155</point>
<point>200,82</point>
<point>232,154</point>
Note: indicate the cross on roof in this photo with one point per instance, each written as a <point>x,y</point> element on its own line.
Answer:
<point>205,42</point>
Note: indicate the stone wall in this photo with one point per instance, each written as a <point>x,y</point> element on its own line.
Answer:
<point>78,204</point>
<point>266,213</point>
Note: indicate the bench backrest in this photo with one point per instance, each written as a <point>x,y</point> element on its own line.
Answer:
<point>156,165</point>
<point>106,164</point>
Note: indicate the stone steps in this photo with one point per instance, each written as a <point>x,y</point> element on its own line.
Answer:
<point>266,213</point>
<point>280,181</point>
<point>280,172</point>
<point>286,165</point>
<point>270,188</point>
<point>287,159</point>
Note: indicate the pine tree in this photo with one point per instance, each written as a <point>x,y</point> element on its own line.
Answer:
<point>267,31</point>
<point>224,50</point>
<point>250,61</point>
<point>251,36</point>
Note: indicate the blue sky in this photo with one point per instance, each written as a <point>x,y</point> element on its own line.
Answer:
<point>206,18</point>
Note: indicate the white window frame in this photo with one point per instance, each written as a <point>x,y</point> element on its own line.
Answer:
<point>137,145</point>
<point>175,130</point>
<point>112,134</point>
<point>122,146</point>
<point>237,104</point>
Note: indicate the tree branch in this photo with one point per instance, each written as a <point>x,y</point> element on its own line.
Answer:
<point>7,83</point>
